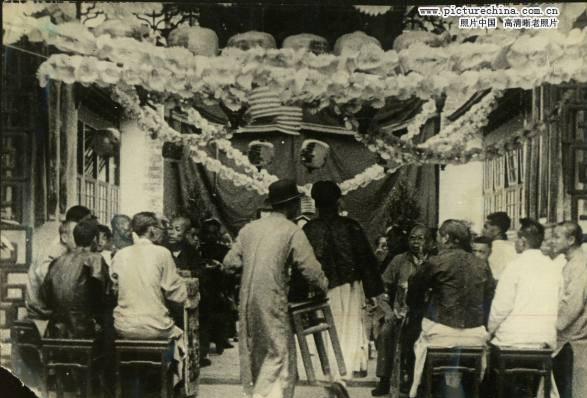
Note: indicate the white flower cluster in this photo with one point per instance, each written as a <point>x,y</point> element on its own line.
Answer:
<point>415,125</point>
<point>348,81</point>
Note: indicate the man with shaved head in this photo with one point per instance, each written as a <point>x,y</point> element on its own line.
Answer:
<point>570,364</point>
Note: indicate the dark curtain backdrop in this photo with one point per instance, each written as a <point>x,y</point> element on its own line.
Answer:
<point>201,190</point>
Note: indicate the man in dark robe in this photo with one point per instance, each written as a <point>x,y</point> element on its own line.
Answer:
<point>221,284</point>
<point>187,258</point>
<point>352,269</point>
<point>74,288</point>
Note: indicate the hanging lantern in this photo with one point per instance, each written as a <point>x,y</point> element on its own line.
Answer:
<point>200,41</point>
<point>252,39</point>
<point>314,154</point>
<point>260,153</point>
<point>313,43</point>
<point>106,141</point>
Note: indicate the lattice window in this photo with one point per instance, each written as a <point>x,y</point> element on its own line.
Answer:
<point>98,176</point>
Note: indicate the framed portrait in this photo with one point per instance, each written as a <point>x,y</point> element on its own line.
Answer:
<point>15,246</point>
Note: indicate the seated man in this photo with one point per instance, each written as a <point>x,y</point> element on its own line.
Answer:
<point>145,277</point>
<point>460,288</point>
<point>74,288</point>
<point>38,270</point>
<point>524,311</point>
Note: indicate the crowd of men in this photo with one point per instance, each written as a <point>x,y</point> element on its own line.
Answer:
<point>485,290</point>
<point>453,289</point>
<point>125,281</point>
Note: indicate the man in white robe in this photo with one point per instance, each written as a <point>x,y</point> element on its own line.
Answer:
<point>502,251</point>
<point>266,249</point>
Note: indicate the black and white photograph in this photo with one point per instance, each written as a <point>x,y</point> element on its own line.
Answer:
<point>293,199</point>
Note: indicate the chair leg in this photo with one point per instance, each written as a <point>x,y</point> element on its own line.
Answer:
<point>117,377</point>
<point>299,330</point>
<point>322,353</point>
<point>547,378</point>
<point>428,380</point>
<point>59,383</point>
<point>45,375</point>
<point>500,382</point>
<point>88,380</point>
<point>164,381</point>
<point>334,340</point>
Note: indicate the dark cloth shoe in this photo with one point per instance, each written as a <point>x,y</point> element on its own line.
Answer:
<point>205,362</point>
<point>382,388</point>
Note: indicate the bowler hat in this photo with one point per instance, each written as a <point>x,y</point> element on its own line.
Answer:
<point>283,191</point>
<point>325,192</point>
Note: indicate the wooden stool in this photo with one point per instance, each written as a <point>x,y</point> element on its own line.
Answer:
<point>441,360</point>
<point>63,355</point>
<point>307,320</point>
<point>515,361</point>
<point>139,353</point>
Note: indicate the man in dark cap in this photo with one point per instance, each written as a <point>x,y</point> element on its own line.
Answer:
<point>352,270</point>
<point>266,250</point>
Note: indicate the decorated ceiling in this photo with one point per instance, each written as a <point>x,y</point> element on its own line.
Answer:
<point>355,80</point>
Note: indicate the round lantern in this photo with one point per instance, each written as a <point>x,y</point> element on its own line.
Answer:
<point>313,43</point>
<point>252,39</point>
<point>314,154</point>
<point>410,37</point>
<point>200,41</point>
<point>260,153</point>
<point>106,141</point>
<point>352,42</point>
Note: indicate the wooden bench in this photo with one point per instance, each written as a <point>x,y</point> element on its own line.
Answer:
<point>465,360</point>
<point>78,356</point>
<point>509,361</point>
<point>135,354</point>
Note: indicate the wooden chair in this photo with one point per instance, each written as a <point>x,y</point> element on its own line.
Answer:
<point>465,360</point>
<point>315,317</point>
<point>26,352</point>
<point>134,354</point>
<point>515,361</point>
<point>77,356</point>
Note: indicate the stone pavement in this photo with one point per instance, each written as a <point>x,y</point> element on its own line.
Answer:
<point>221,379</point>
<point>225,370</point>
<point>234,391</point>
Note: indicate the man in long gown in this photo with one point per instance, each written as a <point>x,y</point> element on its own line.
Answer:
<point>352,270</point>
<point>266,249</point>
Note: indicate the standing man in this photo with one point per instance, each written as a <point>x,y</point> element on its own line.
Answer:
<point>121,232</point>
<point>502,252</point>
<point>394,332</point>
<point>570,364</point>
<point>188,258</point>
<point>266,249</point>
<point>352,270</point>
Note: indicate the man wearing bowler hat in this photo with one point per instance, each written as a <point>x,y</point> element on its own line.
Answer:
<point>267,249</point>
